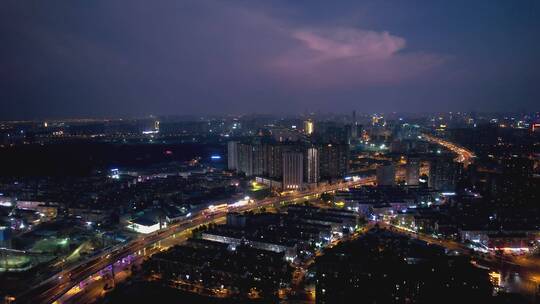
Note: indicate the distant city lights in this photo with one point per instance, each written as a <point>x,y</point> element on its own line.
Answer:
<point>150,132</point>
<point>6,204</point>
<point>115,173</point>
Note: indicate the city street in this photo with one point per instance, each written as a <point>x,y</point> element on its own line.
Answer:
<point>58,285</point>
<point>464,156</point>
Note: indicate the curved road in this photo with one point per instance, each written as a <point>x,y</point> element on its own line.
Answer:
<point>464,155</point>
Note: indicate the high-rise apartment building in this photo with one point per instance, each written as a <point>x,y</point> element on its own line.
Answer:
<point>293,170</point>
<point>443,173</point>
<point>245,159</point>
<point>232,155</point>
<point>412,171</point>
<point>312,165</point>
<point>333,160</point>
<point>274,160</point>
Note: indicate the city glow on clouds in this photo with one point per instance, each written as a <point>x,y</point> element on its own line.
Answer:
<point>328,57</point>
<point>350,43</point>
<point>210,56</point>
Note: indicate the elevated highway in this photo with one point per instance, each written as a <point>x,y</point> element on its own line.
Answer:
<point>54,287</point>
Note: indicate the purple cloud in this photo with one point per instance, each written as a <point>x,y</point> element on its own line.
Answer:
<point>349,43</point>
<point>194,57</point>
<point>329,57</point>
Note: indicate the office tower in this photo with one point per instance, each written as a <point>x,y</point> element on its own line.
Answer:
<point>412,171</point>
<point>309,127</point>
<point>293,170</point>
<point>386,175</point>
<point>333,161</point>
<point>232,155</point>
<point>312,165</point>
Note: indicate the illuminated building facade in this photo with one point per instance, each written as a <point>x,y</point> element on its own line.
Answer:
<point>293,170</point>
<point>309,127</point>
<point>144,226</point>
<point>312,165</point>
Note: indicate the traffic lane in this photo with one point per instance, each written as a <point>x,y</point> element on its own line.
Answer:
<point>156,237</point>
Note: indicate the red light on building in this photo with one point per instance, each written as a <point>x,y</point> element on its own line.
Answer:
<point>168,152</point>
<point>536,127</point>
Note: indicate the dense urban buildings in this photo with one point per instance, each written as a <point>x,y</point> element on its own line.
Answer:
<point>265,211</point>
<point>269,152</point>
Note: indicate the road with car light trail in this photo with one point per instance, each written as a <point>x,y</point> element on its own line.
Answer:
<point>53,288</point>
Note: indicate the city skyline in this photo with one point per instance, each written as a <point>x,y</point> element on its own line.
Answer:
<point>259,207</point>
<point>321,152</point>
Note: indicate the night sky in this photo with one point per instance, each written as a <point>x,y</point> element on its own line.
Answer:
<point>138,57</point>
